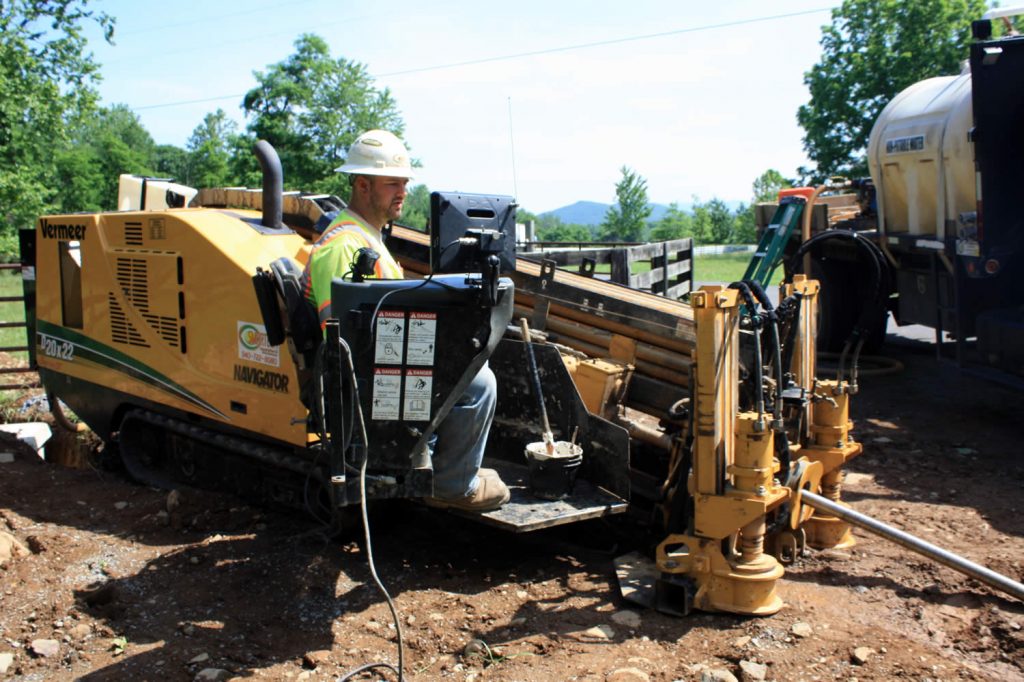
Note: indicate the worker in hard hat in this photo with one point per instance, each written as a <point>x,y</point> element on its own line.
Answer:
<point>378,169</point>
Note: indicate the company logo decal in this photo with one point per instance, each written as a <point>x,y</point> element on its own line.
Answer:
<point>253,345</point>
<point>271,381</point>
<point>61,231</point>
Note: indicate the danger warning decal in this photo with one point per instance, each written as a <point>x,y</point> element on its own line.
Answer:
<point>418,384</point>
<point>387,393</point>
<point>422,336</point>
<point>390,337</point>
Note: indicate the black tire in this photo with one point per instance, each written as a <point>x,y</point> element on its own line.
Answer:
<point>845,290</point>
<point>836,310</point>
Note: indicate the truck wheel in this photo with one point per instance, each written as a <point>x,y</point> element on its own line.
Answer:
<point>844,293</point>
<point>837,310</point>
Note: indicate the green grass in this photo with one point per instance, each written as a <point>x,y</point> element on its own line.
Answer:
<point>727,268</point>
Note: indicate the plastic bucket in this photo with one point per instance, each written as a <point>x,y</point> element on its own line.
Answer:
<point>553,476</point>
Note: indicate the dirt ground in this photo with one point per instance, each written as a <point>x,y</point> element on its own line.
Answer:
<point>218,589</point>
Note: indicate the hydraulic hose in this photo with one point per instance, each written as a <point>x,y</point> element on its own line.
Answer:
<point>781,439</point>
<point>758,358</point>
<point>790,303</point>
<point>881,286</point>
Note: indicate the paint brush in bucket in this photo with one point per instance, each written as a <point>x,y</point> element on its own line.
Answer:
<point>549,439</point>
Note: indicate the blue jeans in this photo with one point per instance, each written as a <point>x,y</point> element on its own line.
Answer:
<point>462,438</point>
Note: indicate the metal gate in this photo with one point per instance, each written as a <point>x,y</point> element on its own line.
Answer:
<point>8,324</point>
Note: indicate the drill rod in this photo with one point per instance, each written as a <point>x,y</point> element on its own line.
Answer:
<point>915,544</point>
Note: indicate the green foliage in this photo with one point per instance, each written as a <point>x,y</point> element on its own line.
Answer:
<point>209,151</point>
<point>626,221</point>
<point>311,107</point>
<point>713,222</point>
<point>744,225</point>
<point>675,224</point>
<point>416,212</point>
<point>169,161</point>
<point>46,79</point>
<point>522,215</point>
<point>766,189</point>
<point>767,185</point>
<point>557,231</point>
<point>872,50</point>
<point>104,146</point>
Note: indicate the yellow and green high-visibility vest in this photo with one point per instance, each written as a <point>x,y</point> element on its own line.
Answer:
<point>332,256</point>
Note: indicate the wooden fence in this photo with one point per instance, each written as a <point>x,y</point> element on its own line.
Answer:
<point>671,262</point>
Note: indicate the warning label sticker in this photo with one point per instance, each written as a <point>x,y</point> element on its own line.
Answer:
<point>422,336</point>
<point>387,393</point>
<point>390,337</point>
<point>418,383</point>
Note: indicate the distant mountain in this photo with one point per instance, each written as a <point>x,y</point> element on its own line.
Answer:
<point>593,212</point>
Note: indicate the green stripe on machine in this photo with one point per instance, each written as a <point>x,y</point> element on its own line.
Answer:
<point>102,354</point>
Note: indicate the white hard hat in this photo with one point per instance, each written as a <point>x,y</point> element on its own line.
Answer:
<point>377,152</point>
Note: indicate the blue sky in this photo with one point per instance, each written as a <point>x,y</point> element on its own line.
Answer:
<point>699,108</point>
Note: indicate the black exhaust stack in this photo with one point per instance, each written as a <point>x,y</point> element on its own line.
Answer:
<point>273,183</point>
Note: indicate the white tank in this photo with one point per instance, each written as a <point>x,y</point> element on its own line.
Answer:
<point>920,158</point>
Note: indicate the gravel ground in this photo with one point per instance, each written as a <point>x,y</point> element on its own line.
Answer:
<point>112,581</point>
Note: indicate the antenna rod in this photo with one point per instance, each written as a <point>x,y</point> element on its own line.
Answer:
<point>512,143</point>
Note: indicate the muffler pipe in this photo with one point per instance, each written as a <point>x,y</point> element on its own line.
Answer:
<point>273,184</point>
<point>915,544</point>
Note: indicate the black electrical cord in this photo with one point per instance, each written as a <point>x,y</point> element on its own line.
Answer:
<point>362,485</point>
<point>369,546</point>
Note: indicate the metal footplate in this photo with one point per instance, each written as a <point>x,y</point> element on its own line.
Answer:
<point>524,512</point>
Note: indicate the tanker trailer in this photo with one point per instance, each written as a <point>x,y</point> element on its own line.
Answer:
<point>934,236</point>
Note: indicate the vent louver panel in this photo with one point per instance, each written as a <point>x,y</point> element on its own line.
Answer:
<point>121,330</point>
<point>133,234</point>
<point>166,327</point>
<point>132,274</point>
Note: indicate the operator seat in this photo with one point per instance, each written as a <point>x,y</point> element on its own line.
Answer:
<point>287,313</point>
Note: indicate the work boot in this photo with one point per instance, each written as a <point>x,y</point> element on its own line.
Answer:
<point>491,492</point>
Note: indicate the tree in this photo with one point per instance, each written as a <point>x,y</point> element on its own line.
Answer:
<point>766,189</point>
<point>209,151</point>
<point>627,219</point>
<point>744,225</point>
<point>550,228</point>
<point>416,213</point>
<point>46,79</point>
<point>172,162</point>
<point>767,185</point>
<point>872,50</point>
<point>713,222</point>
<point>101,148</point>
<point>311,107</point>
<point>675,224</point>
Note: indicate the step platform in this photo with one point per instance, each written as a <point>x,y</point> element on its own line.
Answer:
<point>524,512</point>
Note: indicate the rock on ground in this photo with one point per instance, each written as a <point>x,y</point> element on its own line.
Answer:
<point>751,671</point>
<point>11,548</point>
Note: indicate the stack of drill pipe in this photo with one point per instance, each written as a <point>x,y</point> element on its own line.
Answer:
<point>663,342</point>
<point>651,360</point>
